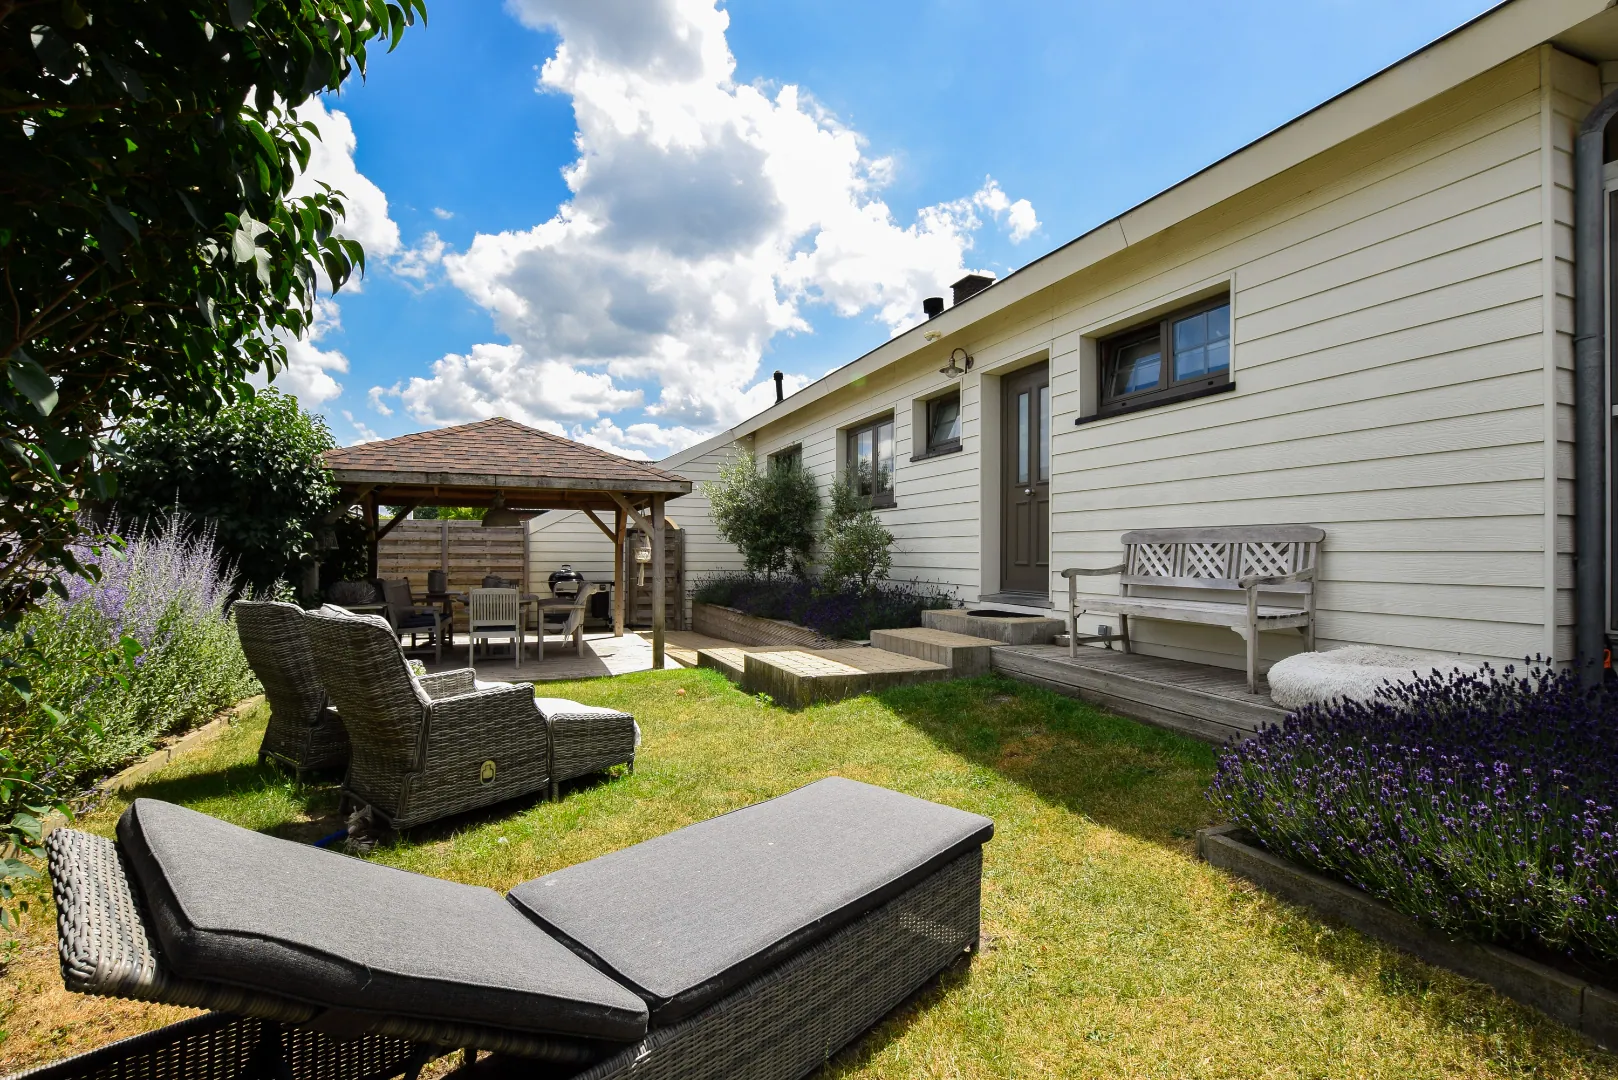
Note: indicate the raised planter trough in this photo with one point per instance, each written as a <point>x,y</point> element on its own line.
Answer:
<point>744,629</point>
<point>1583,1006</point>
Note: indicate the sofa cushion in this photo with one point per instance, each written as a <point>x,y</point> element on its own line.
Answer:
<point>688,917</point>
<point>238,907</point>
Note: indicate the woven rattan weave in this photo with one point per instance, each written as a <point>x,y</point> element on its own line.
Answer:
<point>304,732</point>
<point>106,950</point>
<point>589,742</point>
<point>418,753</point>
<point>219,1046</point>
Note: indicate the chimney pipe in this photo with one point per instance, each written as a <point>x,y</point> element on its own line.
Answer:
<point>780,389</point>
<point>933,306</point>
<point>970,286</point>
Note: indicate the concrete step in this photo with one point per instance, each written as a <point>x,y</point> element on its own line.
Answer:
<point>962,654</point>
<point>1005,628</point>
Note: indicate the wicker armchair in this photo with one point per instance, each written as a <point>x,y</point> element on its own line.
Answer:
<point>304,732</point>
<point>429,746</point>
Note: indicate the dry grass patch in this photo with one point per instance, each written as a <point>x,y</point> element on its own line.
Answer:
<point>1108,951</point>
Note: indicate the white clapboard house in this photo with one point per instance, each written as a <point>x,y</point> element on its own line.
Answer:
<point>1363,321</point>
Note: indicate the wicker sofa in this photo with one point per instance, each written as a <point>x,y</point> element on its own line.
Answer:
<point>755,944</point>
<point>425,747</point>
<point>304,732</point>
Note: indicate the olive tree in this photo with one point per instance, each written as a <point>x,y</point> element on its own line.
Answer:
<point>769,514</point>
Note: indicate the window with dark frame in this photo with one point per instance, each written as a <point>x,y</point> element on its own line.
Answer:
<point>1182,355</point>
<point>944,423</point>
<point>790,458</point>
<point>870,461</point>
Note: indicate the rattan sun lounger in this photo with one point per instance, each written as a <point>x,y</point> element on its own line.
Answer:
<point>304,732</point>
<point>753,945</point>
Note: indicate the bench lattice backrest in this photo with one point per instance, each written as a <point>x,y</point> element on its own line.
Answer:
<point>1219,557</point>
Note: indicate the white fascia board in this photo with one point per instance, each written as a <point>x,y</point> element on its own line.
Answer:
<point>1504,31</point>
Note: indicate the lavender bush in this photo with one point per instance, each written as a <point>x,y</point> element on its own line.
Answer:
<point>167,591</point>
<point>837,610</point>
<point>1479,804</point>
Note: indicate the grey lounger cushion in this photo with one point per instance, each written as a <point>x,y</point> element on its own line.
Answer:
<point>688,917</point>
<point>238,907</point>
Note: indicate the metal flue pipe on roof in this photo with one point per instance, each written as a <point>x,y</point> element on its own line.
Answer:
<point>1590,389</point>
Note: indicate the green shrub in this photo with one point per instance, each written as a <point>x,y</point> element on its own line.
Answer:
<point>855,545</point>
<point>769,515</point>
<point>167,593</point>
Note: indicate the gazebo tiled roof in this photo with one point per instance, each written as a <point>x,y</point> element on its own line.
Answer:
<point>474,462</point>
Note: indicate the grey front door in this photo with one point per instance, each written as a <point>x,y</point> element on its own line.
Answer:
<point>1025,454</point>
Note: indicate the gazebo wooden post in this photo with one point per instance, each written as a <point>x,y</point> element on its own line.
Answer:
<point>619,527</point>
<point>372,512</point>
<point>659,584</point>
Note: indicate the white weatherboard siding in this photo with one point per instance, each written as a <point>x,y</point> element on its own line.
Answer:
<point>569,537</point>
<point>1401,319</point>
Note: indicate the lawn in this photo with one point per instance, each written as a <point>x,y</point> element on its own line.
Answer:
<point>1108,949</point>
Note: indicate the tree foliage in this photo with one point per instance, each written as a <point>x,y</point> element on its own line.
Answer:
<point>855,545</point>
<point>150,253</point>
<point>769,515</point>
<point>251,471</point>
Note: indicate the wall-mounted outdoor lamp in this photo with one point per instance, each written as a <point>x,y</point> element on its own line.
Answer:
<point>959,364</point>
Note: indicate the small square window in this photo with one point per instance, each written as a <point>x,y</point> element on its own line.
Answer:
<point>870,461</point>
<point>944,423</point>
<point>790,458</point>
<point>1137,369</point>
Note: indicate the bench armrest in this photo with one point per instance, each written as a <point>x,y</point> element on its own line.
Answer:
<point>1254,581</point>
<point>1074,572</point>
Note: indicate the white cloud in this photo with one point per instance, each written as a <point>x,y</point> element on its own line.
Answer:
<point>375,397</point>
<point>308,372</point>
<point>417,262</point>
<point>705,216</point>
<point>365,433</point>
<point>442,214</point>
<point>1019,216</point>
<point>331,161</point>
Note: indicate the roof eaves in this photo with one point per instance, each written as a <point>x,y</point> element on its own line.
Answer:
<point>1507,29</point>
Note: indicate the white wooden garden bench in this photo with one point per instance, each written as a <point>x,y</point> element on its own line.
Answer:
<point>1179,574</point>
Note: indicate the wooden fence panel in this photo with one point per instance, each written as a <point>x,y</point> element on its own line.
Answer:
<point>464,549</point>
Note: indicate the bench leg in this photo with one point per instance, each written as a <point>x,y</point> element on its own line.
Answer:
<point>1123,632</point>
<point>1252,641</point>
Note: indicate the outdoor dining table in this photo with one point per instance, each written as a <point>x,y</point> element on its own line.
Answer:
<point>447,601</point>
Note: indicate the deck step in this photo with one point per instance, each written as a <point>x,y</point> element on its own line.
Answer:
<point>797,678</point>
<point>1210,703</point>
<point>1007,628</point>
<point>962,654</point>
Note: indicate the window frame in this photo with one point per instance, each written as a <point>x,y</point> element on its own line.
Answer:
<point>780,457</point>
<point>877,500</point>
<point>945,446</point>
<point>1168,390</point>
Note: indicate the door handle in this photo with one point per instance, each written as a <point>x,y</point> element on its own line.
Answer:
<point>1027,491</point>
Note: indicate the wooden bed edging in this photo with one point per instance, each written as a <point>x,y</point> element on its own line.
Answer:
<point>1585,1007</point>
<point>728,624</point>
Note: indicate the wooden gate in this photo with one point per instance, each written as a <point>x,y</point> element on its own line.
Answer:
<point>638,597</point>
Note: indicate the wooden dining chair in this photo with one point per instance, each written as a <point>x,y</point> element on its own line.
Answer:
<point>495,615</point>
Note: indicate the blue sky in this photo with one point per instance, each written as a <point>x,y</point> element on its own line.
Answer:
<point>622,245</point>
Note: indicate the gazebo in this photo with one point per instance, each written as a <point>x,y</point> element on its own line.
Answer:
<point>502,465</point>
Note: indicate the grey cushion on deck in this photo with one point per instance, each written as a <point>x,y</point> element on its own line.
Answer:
<point>241,908</point>
<point>689,916</point>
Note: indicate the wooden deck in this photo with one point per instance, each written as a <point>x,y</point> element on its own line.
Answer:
<point>1209,703</point>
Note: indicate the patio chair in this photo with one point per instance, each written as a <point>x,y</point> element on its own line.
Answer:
<point>496,615</point>
<point>424,747</point>
<point>304,732</point>
<point>407,618</point>
<point>756,944</point>
<point>567,621</point>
